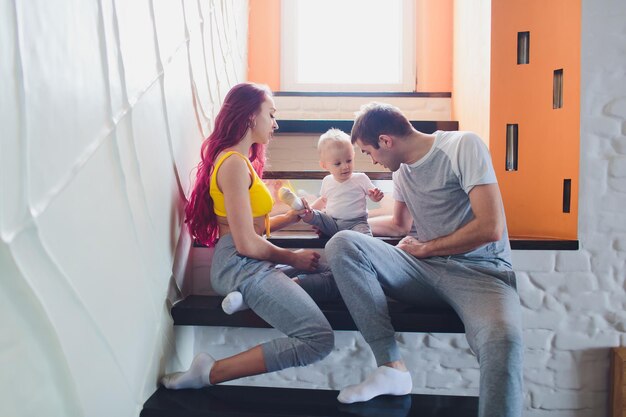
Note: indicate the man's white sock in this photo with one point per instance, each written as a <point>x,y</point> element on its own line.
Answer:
<point>196,377</point>
<point>384,380</point>
<point>233,302</point>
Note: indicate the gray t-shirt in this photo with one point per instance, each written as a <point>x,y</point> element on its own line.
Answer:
<point>435,190</point>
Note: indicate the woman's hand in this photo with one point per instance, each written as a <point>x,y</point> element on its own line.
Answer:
<point>295,215</point>
<point>305,260</point>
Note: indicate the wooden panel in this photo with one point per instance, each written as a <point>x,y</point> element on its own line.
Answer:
<point>294,152</point>
<point>618,383</point>
<point>548,138</point>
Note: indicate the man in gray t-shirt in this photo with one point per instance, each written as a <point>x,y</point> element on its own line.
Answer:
<point>436,191</point>
<point>459,256</point>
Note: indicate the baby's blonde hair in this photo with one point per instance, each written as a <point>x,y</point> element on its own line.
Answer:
<point>333,137</point>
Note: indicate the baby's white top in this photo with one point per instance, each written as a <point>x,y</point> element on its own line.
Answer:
<point>346,200</point>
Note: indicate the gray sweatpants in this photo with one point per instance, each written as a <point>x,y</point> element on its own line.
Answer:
<point>482,293</point>
<point>282,303</point>
<point>329,225</point>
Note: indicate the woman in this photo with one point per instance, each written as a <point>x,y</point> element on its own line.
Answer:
<point>229,209</point>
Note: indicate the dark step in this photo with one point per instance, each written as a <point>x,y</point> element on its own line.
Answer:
<point>317,175</point>
<point>321,126</point>
<point>310,240</point>
<point>205,310</point>
<point>237,401</point>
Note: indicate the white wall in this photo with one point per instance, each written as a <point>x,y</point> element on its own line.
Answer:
<point>574,302</point>
<point>103,106</point>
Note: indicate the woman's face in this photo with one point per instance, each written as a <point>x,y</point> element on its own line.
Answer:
<point>264,122</point>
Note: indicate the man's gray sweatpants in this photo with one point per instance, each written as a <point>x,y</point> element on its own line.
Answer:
<point>483,294</point>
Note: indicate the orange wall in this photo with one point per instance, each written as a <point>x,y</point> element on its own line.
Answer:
<point>548,138</point>
<point>264,42</point>
<point>433,32</point>
<point>433,44</point>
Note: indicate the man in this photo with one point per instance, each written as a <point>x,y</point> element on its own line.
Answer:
<point>444,185</point>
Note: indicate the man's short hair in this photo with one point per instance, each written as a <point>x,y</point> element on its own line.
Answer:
<point>375,119</point>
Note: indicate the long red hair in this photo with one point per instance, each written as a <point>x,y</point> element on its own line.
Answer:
<point>241,104</point>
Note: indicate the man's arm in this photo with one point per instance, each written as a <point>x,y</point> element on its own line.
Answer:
<point>397,224</point>
<point>486,226</point>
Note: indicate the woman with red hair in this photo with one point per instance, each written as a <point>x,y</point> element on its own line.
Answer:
<point>229,209</point>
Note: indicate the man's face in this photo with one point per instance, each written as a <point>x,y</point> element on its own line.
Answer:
<point>384,155</point>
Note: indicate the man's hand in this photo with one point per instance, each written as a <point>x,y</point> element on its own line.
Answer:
<point>413,247</point>
<point>375,194</point>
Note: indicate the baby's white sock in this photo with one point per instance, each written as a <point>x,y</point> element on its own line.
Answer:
<point>196,377</point>
<point>384,380</point>
<point>233,302</point>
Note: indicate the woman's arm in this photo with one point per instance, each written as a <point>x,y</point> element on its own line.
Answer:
<point>283,220</point>
<point>234,180</point>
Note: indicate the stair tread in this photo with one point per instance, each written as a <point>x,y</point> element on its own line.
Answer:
<point>309,240</point>
<point>205,310</point>
<point>247,401</point>
<point>316,126</point>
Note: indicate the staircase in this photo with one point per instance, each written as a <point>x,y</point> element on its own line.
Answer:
<point>243,401</point>
<point>248,401</point>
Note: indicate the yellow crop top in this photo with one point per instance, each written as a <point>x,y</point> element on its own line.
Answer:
<point>261,200</point>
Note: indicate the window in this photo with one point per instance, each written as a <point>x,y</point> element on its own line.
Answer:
<point>348,45</point>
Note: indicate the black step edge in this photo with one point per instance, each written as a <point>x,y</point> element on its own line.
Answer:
<point>318,126</point>
<point>310,241</point>
<point>247,401</point>
<point>372,94</point>
<point>318,175</point>
<point>205,310</point>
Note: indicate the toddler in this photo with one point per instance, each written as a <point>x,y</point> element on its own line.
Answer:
<point>343,192</point>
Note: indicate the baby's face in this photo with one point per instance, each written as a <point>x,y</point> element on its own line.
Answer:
<point>338,159</point>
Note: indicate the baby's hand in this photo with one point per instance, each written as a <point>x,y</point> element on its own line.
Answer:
<point>375,194</point>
